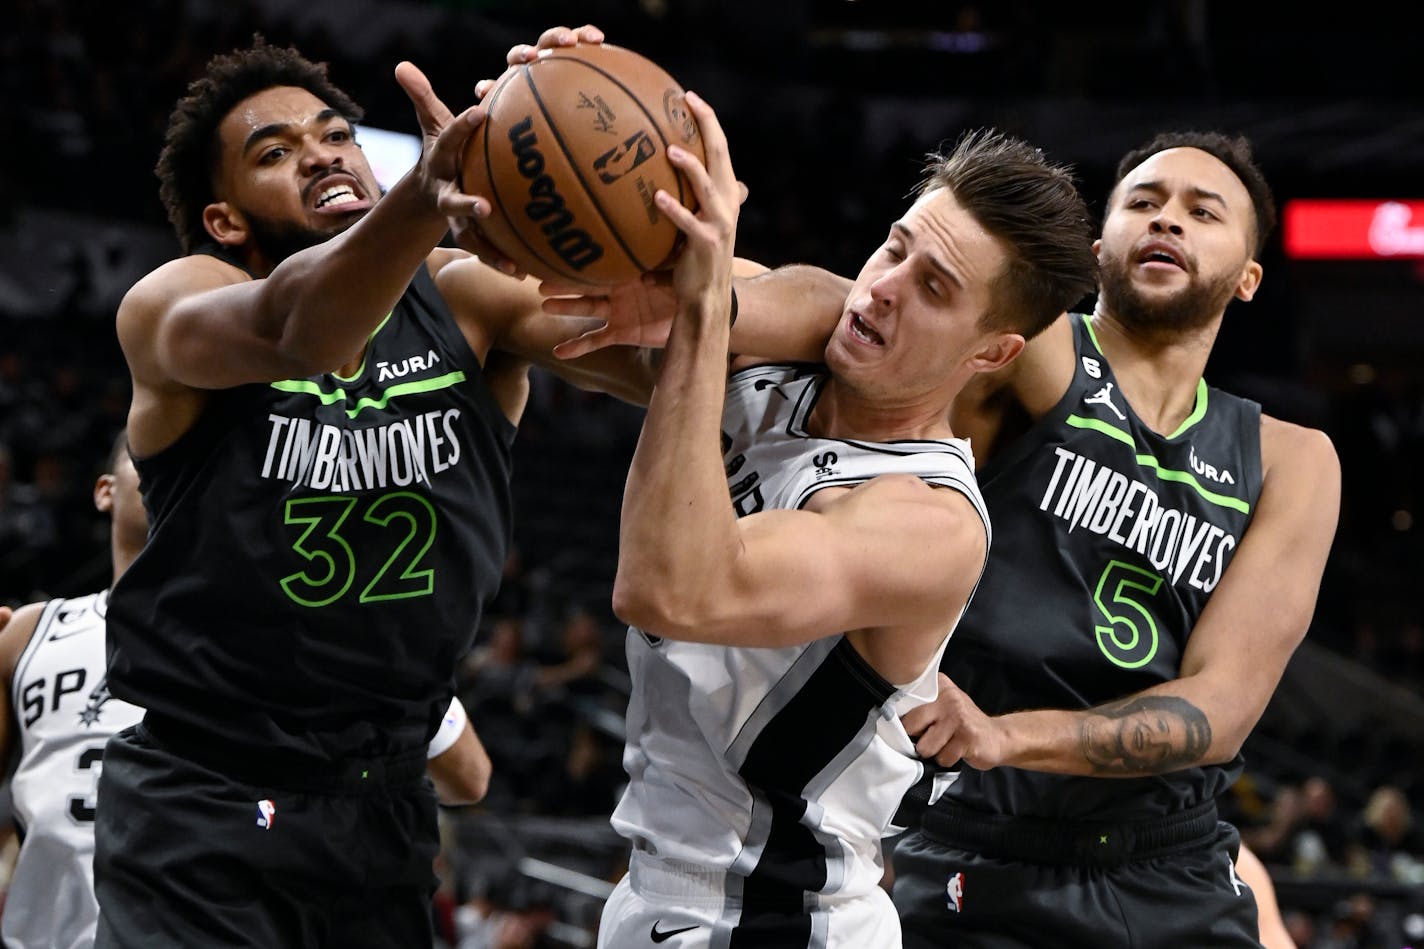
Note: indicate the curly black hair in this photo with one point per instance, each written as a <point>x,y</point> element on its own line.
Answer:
<point>1233,151</point>
<point>190,153</point>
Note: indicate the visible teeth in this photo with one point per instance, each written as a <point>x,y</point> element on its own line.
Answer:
<point>860,329</point>
<point>341,194</point>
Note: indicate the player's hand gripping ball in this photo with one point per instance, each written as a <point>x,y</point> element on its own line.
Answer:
<point>570,156</point>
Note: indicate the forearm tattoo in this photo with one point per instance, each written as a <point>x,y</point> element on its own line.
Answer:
<point>1152,734</point>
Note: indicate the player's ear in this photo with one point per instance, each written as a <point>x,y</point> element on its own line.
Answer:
<point>997,351</point>
<point>1250,281</point>
<point>104,493</point>
<point>225,224</point>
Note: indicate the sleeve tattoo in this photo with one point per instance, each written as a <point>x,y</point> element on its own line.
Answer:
<point>1151,734</point>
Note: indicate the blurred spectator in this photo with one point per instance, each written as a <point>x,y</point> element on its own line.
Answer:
<point>1388,845</point>
<point>511,913</point>
<point>1306,830</point>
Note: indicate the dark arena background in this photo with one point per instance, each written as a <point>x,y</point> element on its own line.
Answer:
<point>828,106</point>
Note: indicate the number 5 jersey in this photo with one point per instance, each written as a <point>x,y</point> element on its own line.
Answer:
<point>1110,537</point>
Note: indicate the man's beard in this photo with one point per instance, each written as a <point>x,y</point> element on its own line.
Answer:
<point>277,240</point>
<point>1191,308</point>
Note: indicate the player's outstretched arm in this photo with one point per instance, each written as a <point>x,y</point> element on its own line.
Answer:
<point>783,315</point>
<point>203,324</point>
<point>1256,617</point>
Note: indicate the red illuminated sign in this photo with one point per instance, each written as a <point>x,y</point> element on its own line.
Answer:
<point>1316,230</point>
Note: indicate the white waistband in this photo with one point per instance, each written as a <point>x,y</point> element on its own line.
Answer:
<point>657,879</point>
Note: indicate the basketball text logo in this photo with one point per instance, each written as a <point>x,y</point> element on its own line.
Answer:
<point>546,206</point>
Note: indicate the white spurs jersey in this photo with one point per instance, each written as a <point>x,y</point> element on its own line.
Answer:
<point>782,766</point>
<point>64,715</point>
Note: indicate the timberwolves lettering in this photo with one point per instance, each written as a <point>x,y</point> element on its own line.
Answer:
<point>1095,497</point>
<point>402,452</point>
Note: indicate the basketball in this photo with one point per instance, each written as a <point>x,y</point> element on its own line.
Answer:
<point>570,156</point>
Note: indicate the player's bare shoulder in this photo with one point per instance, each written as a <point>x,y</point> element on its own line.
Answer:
<point>1289,450</point>
<point>153,297</point>
<point>1300,486</point>
<point>15,636</point>
<point>1043,371</point>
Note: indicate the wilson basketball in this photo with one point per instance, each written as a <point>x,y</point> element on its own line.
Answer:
<point>573,150</point>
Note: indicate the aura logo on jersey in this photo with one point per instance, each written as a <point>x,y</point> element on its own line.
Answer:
<point>1210,471</point>
<point>1092,496</point>
<point>386,371</point>
<point>398,453</point>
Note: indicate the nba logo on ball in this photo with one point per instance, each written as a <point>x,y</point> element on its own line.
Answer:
<point>570,155</point>
<point>266,814</point>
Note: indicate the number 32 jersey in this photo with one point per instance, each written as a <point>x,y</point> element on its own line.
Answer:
<point>64,715</point>
<point>320,550</point>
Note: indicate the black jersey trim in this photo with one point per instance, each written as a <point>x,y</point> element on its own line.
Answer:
<point>27,655</point>
<point>828,712</point>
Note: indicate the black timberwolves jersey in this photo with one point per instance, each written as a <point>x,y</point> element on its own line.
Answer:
<point>1109,538</point>
<point>320,550</point>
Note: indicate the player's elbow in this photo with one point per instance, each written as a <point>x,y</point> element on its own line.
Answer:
<point>639,602</point>
<point>660,608</point>
<point>467,784</point>
<point>474,786</point>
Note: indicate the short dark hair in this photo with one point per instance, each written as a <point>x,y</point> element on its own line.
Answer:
<point>190,146</point>
<point>1034,207</point>
<point>1233,151</point>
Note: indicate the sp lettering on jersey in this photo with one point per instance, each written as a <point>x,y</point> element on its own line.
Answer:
<point>825,464</point>
<point>44,695</point>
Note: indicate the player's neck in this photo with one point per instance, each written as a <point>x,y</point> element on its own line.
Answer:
<point>1158,372</point>
<point>841,412</point>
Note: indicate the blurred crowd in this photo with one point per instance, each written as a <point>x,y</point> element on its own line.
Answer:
<point>1337,821</point>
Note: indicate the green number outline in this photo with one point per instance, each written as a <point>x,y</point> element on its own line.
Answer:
<point>333,533</point>
<point>424,578</point>
<point>340,560</point>
<point>1148,583</point>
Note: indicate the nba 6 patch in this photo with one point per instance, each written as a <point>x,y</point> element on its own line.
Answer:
<point>266,814</point>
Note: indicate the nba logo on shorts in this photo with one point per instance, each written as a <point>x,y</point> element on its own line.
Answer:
<point>266,814</point>
<point>954,891</point>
